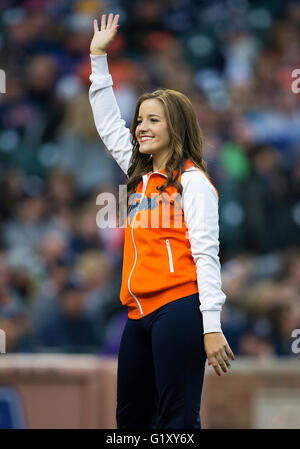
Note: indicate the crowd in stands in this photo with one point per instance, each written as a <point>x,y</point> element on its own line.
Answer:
<point>60,274</point>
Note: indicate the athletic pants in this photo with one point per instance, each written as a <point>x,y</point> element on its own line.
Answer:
<point>161,365</point>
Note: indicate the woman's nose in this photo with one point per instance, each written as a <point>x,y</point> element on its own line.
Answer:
<point>143,127</point>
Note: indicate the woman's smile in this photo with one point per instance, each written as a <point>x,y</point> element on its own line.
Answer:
<point>146,139</point>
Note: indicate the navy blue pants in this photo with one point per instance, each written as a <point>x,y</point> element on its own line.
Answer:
<point>161,367</point>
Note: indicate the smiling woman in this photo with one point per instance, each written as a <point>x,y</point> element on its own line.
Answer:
<point>171,281</point>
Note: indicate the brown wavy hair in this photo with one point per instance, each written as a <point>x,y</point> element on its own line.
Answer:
<point>186,140</point>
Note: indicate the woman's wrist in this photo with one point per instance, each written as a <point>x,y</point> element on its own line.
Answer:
<point>98,53</point>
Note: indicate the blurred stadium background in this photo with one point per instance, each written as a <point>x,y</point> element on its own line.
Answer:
<point>60,274</point>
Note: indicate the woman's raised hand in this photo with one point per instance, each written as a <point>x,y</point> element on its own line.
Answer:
<point>102,38</point>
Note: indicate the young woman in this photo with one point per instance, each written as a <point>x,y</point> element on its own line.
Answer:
<point>171,273</point>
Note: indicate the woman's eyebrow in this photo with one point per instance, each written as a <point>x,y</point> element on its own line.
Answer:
<point>149,115</point>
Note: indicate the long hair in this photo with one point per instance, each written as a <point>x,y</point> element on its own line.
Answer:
<point>186,140</point>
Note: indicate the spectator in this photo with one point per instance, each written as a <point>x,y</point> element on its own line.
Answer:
<point>266,201</point>
<point>66,327</point>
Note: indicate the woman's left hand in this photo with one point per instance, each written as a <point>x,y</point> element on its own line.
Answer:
<point>216,346</point>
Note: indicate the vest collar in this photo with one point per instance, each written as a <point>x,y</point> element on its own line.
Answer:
<point>189,164</point>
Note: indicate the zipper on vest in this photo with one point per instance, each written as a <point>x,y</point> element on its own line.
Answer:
<point>170,256</point>
<point>138,303</point>
<point>145,182</point>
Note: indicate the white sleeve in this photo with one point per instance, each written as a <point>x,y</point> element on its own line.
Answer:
<point>110,126</point>
<point>200,207</point>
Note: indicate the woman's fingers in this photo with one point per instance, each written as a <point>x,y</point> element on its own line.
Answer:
<point>230,352</point>
<point>110,20</point>
<point>115,22</point>
<point>220,360</point>
<point>96,26</point>
<point>103,22</point>
<point>215,365</point>
<point>225,358</point>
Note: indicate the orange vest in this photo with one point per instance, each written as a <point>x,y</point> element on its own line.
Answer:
<point>157,261</point>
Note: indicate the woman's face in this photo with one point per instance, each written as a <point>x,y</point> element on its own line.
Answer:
<point>152,130</point>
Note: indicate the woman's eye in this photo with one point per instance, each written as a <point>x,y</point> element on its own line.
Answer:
<point>140,121</point>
